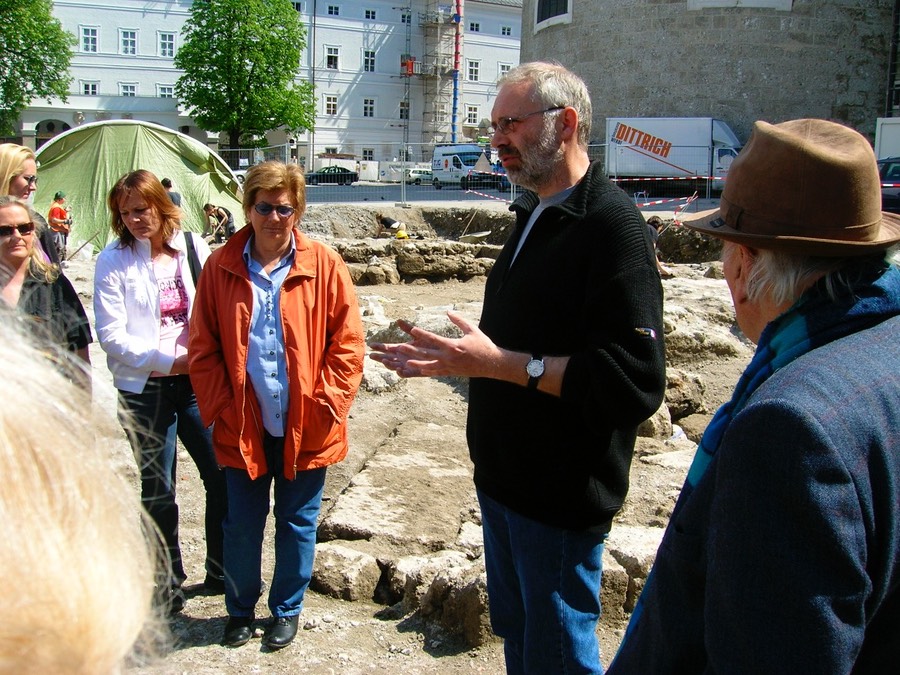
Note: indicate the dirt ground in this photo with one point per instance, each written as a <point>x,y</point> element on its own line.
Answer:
<point>363,637</point>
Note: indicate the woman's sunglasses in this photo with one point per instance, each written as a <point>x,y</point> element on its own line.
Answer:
<point>24,228</point>
<point>264,209</point>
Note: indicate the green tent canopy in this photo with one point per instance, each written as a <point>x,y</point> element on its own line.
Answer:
<point>85,162</point>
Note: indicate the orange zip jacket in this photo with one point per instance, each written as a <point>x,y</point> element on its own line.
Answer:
<point>324,350</point>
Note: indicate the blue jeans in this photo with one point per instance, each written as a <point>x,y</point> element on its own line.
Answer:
<point>165,411</point>
<point>543,587</point>
<point>297,504</point>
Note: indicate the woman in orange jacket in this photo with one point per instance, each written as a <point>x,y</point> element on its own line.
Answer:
<point>276,357</point>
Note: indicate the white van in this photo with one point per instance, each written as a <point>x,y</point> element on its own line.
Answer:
<point>452,163</point>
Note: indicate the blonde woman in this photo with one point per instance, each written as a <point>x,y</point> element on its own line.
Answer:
<point>36,288</point>
<point>78,573</point>
<point>18,178</point>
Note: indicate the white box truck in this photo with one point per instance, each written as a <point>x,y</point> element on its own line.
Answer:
<point>670,147</point>
<point>887,137</point>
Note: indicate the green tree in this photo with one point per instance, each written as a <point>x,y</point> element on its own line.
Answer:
<point>240,58</point>
<point>35,53</point>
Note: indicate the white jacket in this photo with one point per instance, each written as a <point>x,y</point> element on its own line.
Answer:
<point>126,308</point>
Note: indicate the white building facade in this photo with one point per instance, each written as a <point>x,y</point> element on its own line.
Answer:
<point>390,81</point>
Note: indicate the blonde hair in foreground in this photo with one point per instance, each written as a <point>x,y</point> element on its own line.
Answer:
<point>77,562</point>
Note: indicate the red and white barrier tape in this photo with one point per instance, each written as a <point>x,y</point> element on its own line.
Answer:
<point>482,194</point>
<point>641,180</point>
<point>661,201</point>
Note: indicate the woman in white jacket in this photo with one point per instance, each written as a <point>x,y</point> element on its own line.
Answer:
<point>143,297</point>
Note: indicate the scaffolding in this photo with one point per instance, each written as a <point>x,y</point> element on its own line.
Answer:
<point>439,70</point>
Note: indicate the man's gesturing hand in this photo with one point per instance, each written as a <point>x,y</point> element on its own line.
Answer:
<point>430,355</point>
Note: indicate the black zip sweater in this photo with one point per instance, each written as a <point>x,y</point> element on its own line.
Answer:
<point>584,285</point>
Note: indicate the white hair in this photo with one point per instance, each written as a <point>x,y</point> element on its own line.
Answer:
<point>783,277</point>
<point>79,559</point>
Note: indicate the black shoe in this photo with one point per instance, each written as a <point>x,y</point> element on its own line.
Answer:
<point>213,585</point>
<point>238,631</point>
<point>175,601</point>
<point>281,631</point>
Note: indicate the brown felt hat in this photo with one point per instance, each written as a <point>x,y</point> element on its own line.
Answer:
<point>809,187</point>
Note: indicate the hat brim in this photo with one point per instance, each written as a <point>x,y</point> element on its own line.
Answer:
<point>711,222</point>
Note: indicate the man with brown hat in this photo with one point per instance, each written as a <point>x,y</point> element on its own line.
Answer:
<point>783,551</point>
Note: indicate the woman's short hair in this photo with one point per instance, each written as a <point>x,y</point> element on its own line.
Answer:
<point>12,159</point>
<point>147,185</point>
<point>79,557</point>
<point>39,266</point>
<point>273,175</point>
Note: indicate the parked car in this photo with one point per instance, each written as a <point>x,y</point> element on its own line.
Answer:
<point>332,175</point>
<point>890,173</point>
<point>419,176</point>
<point>484,180</point>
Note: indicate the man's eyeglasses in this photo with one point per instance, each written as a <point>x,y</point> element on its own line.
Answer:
<point>31,180</point>
<point>23,228</point>
<point>283,210</point>
<point>506,125</point>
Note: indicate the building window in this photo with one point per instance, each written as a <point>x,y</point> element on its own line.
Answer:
<point>165,91</point>
<point>127,89</point>
<point>334,10</point>
<point>330,150</point>
<point>332,55</point>
<point>370,14</point>
<point>503,69</point>
<point>331,104</point>
<point>89,39</point>
<point>167,45</point>
<point>471,115</point>
<point>128,41</point>
<point>473,69</point>
<point>404,110</point>
<point>90,88</point>
<point>298,6</point>
<point>406,17</point>
<point>440,114</point>
<point>505,31</point>
<point>368,107</point>
<point>368,154</point>
<point>474,27</point>
<point>549,12</point>
<point>369,61</point>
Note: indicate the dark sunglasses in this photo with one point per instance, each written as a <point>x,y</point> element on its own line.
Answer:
<point>24,228</point>
<point>31,180</point>
<point>283,210</point>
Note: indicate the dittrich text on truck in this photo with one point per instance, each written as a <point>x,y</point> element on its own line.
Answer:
<point>692,152</point>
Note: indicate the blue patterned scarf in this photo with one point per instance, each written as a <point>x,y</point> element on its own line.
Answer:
<point>813,321</point>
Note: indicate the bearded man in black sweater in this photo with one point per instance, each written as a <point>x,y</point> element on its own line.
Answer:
<point>567,360</point>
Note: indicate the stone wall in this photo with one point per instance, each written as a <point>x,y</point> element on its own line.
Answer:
<point>657,58</point>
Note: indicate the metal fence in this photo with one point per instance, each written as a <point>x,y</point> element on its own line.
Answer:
<point>244,158</point>
<point>394,179</point>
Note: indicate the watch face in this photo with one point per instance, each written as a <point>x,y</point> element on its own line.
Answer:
<point>535,368</point>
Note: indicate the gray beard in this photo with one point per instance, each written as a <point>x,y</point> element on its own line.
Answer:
<point>540,162</point>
